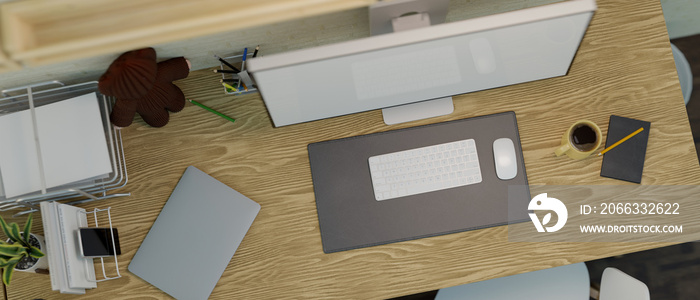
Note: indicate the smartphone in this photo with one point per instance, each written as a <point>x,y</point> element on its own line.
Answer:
<point>97,242</point>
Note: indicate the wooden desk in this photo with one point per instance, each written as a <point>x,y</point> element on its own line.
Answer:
<point>624,66</point>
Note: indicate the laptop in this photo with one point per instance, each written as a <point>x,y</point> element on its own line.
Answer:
<point>201,212</point>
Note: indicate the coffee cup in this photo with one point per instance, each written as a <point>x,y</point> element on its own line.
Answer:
<point>580,140</point>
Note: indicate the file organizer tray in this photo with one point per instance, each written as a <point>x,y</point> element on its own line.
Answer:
<point>76,192</point>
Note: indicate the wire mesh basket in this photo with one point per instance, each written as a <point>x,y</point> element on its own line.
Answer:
<point>30,97</point>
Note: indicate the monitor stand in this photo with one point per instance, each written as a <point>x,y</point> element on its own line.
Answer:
<point>418,111</point>
<point>400,15</point>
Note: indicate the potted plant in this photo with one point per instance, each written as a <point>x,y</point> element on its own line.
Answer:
<point>21,251</point>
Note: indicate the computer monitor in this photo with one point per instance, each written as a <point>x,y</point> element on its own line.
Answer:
<point>411,66</point>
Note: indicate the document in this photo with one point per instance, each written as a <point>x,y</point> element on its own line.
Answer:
<point>79,269</point>
<point>68,269</point>
<point>72,140</point>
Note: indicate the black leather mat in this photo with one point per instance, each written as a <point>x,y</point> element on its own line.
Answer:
<point>350,217</point>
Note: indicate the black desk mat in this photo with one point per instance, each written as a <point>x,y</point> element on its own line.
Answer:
<point>349,216</point>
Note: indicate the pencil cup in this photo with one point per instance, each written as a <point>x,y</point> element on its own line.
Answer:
<point>580,140</point>
<point>236,80</point>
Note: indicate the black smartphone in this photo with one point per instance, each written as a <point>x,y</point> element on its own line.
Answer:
<point>97,242</point>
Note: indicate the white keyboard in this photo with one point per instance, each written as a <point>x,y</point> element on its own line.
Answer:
<point>425,169</point>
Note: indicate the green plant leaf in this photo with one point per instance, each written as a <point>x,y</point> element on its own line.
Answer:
<point>12,261</point>
<point>5,228</point>
<point>3,262</point>
<point>12,250</point>
<point>14,232</point>
<point>27,229</point>
<point>35,252</point>
<point>9,268</point>
<point>16,236</point>
<point>8,271</point>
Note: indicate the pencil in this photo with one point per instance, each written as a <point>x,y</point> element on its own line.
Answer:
<point>225,71</point>
<point>255,53</point>
<point>245,55</point>
<point>621,141</point>
<point>213,111</point>
<point>226,63</point>
<point>228,86</point>
<point>228,80</point>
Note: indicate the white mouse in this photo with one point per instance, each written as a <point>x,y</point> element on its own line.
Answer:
<point>504,158</point>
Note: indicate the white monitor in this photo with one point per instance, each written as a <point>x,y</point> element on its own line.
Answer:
<point>421,64</point>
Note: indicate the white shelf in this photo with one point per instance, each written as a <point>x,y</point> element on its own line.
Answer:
<point>38,32</point>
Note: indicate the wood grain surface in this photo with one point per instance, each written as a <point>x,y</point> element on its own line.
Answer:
<point>624,66</point>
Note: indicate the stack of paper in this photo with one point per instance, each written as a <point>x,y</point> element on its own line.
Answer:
<point>70,272</point>
<point>72,144</point>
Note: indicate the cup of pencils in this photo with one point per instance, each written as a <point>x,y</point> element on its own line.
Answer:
<point>234,76</point>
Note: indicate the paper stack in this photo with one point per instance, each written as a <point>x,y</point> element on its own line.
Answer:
<point>71,273</point>
<point>69,144</point>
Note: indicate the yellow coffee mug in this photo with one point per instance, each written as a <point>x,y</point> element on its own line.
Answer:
<point>580,140</point>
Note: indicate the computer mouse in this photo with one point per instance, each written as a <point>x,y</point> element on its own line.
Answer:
<point>504,158</point>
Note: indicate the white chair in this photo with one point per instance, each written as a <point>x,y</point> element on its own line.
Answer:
<point>685,74</point>
<point>569,282</point>
<point>616,285</point>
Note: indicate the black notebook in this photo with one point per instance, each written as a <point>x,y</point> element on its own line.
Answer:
<point>626,161</point>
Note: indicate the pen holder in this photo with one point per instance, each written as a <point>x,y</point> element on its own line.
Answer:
<point>236,60</point>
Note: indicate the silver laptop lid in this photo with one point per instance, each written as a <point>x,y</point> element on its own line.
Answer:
<point>202,214</point>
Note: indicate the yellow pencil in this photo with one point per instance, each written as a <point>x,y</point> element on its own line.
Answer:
<point>228,86</point>
<point>621,141</point>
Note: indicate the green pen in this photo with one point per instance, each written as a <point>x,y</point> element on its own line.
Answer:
<point>211,110</point>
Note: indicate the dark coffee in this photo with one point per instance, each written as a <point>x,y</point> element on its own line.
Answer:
<point>584,138</point>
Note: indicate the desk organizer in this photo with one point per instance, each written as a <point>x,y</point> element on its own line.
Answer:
<point>70,271</point>
<point>76,192</point>
<point>235,60</point>
<point>102,259</point>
